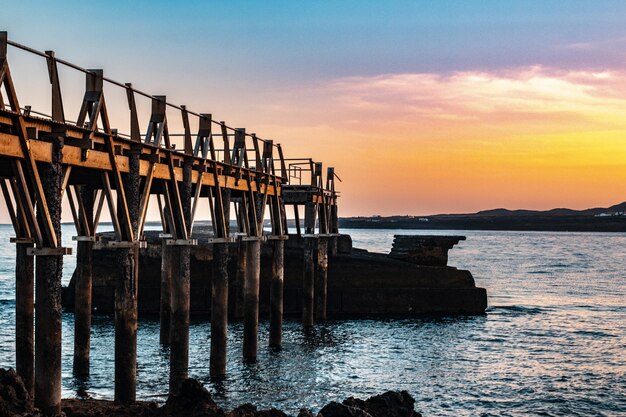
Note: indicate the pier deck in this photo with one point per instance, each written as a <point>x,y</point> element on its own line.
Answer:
<point>45,158</point>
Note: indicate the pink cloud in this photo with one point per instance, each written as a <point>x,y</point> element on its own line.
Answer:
<point>590,96</point>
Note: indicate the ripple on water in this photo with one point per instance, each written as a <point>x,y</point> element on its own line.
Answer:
<point>552,342</point>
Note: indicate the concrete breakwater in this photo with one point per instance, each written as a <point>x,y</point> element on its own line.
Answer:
<point>413,279</point>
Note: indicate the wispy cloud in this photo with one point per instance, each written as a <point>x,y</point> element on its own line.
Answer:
<point>532,94</point>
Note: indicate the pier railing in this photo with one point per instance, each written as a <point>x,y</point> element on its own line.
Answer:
<point>181,159</point>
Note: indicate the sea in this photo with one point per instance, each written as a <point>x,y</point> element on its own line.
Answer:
<point>552,342</point>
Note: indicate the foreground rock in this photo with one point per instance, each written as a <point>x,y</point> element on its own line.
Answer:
<point>14,398</point>
<point>389,404</point>
<point>195,401</point>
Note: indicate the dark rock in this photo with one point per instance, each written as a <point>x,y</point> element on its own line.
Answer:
<point>14,398</point>
<point>392,404</point>
<point>245,410</point>
<point>193,401</point>
<point>248,410</point>
<point>101,408</point>
<point>423,250</point>
<point>335,409</point>
<point>389,404</point>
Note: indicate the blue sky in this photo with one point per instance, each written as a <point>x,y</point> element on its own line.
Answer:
<point>293,41</point>
<point>448,82</point>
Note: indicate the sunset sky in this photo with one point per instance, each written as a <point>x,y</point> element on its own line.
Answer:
<point>423,107</point>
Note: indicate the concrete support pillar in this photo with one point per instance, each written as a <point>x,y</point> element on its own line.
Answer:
<point>126,295</point>
<point>24,316</point>
<point>165,309</point>
<point>251,299</point>
<point>219,298</point>
<point>126,325</point>
<point>179,326</point>
<point>82,293</point>
<point>240,278</point>
<point>308,282</point>
<point>276,293</point>
<point>82,308</point>
<point>219,310</point>
<point>48,273</point>
<point>321,279</point>
<point>180,297</point>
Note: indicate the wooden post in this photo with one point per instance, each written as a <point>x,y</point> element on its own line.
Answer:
<point>165,310</point>
<point>181,274</point>
<point>82,292</point>
<point>276,294</point>
<point>308,282</point>
<point>126,294</point>
<point>48,273</point>
<point>321,278</point>
<point>251,299</point>
<point>24,315</point>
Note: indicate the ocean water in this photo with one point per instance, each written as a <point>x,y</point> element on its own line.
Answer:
<point>553,341</point>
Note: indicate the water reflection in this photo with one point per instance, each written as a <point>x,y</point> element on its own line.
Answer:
<point>552,342</point>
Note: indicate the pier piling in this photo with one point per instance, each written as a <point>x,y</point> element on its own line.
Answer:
<point>251,299</point>
<point>24,314</point>
<point>240,277</point>
<point>48,274</point>
<point>180,287</point>
<point>165,309</point>
<point>321,278</point>
<point>126,284</point>
<point>308,282</point>
<point>82,290</point>
<point>179,326</point>
<point>219,288</point>
<point>126,325</point>
<point>219,310</point>
<point>276,293</point>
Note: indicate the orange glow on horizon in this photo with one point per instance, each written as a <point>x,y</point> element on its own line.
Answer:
<point>531,138</point>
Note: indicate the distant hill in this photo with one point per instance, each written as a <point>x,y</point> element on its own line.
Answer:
<point>609,219</point>
<point>617,208</point>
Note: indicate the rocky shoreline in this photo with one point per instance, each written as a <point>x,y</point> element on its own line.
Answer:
<point>196,401</point>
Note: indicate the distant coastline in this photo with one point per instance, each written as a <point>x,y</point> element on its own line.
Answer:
<point>610,219</point>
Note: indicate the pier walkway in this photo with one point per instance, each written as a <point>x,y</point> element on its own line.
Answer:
<point>97,168</point>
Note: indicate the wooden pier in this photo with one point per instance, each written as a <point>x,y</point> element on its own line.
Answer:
<point>46,158</point>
